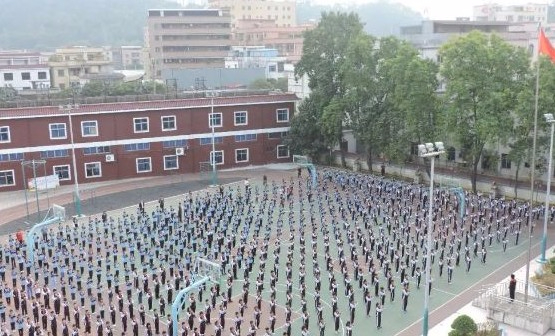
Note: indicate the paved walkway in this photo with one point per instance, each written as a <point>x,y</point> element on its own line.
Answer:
<point>480,315</point>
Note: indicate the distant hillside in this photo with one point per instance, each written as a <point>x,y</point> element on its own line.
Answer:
<point>380,18</point>
<point>48,24</point>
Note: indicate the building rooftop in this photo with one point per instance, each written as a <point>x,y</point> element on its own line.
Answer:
<point>473,23</point>
<point>24,66</point>
<point>18,53</point>
<point>48,111</point>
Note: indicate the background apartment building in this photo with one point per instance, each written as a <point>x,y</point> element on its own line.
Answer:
<point>187,39</point>
<point>283,13</point>
<point>22,70</point>
<point>531,12</point>
<point>287,40</point>
<point>75,66</point>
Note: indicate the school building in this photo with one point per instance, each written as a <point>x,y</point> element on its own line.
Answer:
<point>137,139</point>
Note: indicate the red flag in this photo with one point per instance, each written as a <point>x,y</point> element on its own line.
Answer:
<point>545,47</point>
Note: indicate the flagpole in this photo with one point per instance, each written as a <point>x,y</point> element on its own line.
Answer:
<point>536,105</point>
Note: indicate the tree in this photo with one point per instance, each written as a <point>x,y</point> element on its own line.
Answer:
<point>390,96</point>
<point>463,325</point>
<point>269,84</point>
<point>521,142</point>
<point>483,76</point>
<point>305,136</point>
<point>416,98</point>
<point>324,53</point>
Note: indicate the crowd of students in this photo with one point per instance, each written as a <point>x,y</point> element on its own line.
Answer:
<point>296,259</point>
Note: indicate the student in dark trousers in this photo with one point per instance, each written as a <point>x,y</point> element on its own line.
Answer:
<point>512,287</point>
<point>379,311</point>
<point>349,329</point>
<point>336,318</point>
<point>405,296</point>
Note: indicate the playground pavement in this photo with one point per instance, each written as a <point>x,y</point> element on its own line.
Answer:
<point>97,197</point>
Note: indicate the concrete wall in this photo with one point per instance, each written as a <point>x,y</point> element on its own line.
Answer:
<point>516,320</point>
<point>213,78</point>
<point>443,179</point>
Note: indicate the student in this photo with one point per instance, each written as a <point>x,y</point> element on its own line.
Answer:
<point>379,311</point>
<point>512,288</point>
<point>349,329</point>
<point>336,318</point>
<point>405,297</point>
<point>368,302</point>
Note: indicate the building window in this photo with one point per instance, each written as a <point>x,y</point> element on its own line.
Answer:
<point>54,154</point>
<point>505,162</point>
<point>242,155</point>
<point>42,75</point>
<point>6,178</point>
<point>282,115</point>
<point>25,76</point>
<point>241,118</point>
<point>62,172</point>
<point>89,128</point>
<point>61,73</point>
<point>140,125</point>
<point>245,137</point>
<point>215,120</point>
<point>282,151</point>
<point>277,135</point>
<point>171,162</point>
<point>96,150</point>
<point>143,165</point>
<point>217,157</point>
<point>168,123</point>
<point>208,141</point>
<point>8,76</point>
<point>11,157</point>
<point>136,147</point>
<point>58,131</point>
<point>93,169</point>
<point>174,143</point>
<point>5,134</point>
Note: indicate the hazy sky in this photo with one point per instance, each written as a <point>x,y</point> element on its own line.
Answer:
<point>440,9</point>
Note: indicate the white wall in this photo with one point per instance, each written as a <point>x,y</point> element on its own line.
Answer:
<point>20,84</point>
<point>298,85</point>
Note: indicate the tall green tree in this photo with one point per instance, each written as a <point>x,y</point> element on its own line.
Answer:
<point>483,76</point>
<point>521,141</point>
<point>305,135</point>
<point>324,53</point>
<point>388,87</point>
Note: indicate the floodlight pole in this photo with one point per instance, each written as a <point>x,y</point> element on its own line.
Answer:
<point>34,163</point>
<point>77,198</point>
<point>532,178</point>
<point>549,118</point>
<point>213,156</point>
<point>429,151</point>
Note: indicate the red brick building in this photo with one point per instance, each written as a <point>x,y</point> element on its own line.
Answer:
<point>137,139</point>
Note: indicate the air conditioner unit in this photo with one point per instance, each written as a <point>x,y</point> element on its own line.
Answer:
<point>180,151</point>
<point>110,158</point>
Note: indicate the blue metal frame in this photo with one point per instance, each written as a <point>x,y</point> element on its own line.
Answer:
<point>180,299</point>
<point>312,170</point>
<point>462,201</point>
<point>30,238</point>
